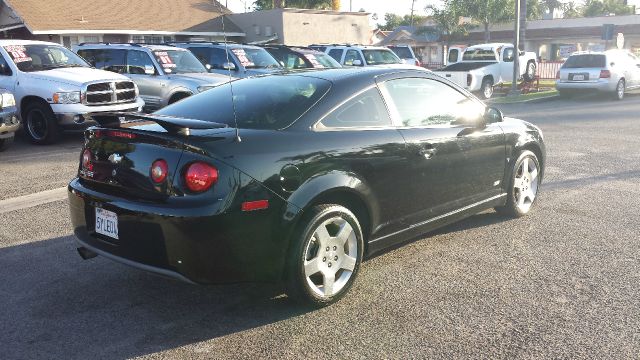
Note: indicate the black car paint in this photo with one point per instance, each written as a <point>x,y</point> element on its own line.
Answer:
<point>206,238</point>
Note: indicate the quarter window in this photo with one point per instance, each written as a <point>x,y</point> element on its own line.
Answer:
<point>421,102</point>
<point>364,110</point>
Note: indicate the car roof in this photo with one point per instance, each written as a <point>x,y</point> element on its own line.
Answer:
<point>25,42</point>
<point>301,49</point>
<point>356,46</point>
<point>216,44</point>
<point>127,46</point>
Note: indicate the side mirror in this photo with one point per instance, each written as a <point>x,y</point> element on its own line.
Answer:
<point>612,64</point>
<point>208,66</point>
<point>229,66</point>
<point>149,70</point>
<point>492,115</point>
<point>356,63</point>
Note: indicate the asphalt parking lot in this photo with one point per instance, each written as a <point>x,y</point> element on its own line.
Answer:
<point>563,282</point>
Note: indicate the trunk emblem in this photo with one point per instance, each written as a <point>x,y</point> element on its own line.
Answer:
<point>115,158</point>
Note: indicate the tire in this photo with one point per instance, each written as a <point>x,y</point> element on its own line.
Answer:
<point>310,264</point>
<point>487,88</point>
<point>530,74</point>
<point>40,124</point>
<point>520,184</point>
<point>5,143</point>
<point>618,94</point>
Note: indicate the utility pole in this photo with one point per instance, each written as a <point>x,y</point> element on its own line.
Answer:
<point>413,2</point>
<point>516,53</point>
<point>350,5</point>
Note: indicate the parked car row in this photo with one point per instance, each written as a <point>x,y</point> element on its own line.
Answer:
<point>56,89</point>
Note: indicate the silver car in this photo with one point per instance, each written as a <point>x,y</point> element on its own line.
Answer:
<point>164,74</point>
<point>614,72</point>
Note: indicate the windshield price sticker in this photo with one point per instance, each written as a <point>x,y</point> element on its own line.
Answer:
<point>18,53</point>
<point>312,59</point>
<point>164,59</point>
<point>242,57</point>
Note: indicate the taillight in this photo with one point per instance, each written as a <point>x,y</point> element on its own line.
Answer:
<point>114,134</point>
<point>605,74</point>
<point>159,171</point>
<point>200,176</point>
<point>469,78</point>
<point>558,75</point>
<point>86,160</point>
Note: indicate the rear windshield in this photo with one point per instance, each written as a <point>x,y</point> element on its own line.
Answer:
<point>287,98</point>
<point>377,57</point>
<point>479,55</point>
<point>402,51</point>
<point>585,61</point>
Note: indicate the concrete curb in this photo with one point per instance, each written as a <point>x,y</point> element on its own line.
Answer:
<point>532,101</point>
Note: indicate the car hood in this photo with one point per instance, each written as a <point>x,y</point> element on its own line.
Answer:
<point>75,76</point>
<point>204,78</point>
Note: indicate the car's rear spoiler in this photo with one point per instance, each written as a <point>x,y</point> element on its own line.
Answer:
<point>173,125</point>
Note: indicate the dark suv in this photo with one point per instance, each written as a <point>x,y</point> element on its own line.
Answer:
<point>239,59</point>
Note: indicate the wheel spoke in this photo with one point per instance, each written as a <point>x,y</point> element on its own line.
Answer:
<point>322,234</point>
<point>349,263</point>
<point>530,195</point>
<point>311,267</point>
<point>534,174</point>
<point>525,166</point>
<point>329,278</point>
<point>521,197</point>
<point>344,233</point>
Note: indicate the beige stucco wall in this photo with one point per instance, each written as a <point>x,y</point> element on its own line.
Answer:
<point>305,28</point>
<point>299,27</point>
<point>261,19</point>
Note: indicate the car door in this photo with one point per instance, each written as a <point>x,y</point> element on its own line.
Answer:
<point>150,86</point>
<point>454,161</point>
<point>359,138</point>
<point>506,66</point>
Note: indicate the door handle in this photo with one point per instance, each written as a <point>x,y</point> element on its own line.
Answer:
<point>427,151</point>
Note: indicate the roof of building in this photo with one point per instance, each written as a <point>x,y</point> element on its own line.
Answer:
<point>411,35</point>
<point>117,16</point>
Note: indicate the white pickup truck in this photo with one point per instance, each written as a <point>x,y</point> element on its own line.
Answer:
<point>486,65</point>
<point>55,89</point>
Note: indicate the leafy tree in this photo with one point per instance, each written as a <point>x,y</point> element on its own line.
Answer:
<point>605,7</point>
<point>300,4</point>
<point>570,10</point>
<point>392,21</point>
<point>448,22</point>
<point>486,12</point>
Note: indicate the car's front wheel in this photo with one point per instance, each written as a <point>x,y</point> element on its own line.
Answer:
<point>40,123</point>
<point>523,187</point>
<point>325,256</point>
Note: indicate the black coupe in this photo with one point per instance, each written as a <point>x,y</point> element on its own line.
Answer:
<point>296,177</point>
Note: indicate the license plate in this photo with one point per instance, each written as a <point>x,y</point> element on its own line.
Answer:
<point>107,223</point>
<point>578,77</point>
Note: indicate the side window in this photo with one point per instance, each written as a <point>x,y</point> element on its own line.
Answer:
<point>421,102</point>
<point>137,61</point>
<point>351,56</point>
<point>5,70</point>
<point>202,54</point>
<point>453,55</point>
<point>508,55</point>
<point>336,54</point>
<point>110,60</point>
<point>218,57</point>
<point>364,110</point>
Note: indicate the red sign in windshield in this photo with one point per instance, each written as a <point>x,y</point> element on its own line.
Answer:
<point>18,53</point>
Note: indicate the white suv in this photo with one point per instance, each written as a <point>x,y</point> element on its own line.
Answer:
<point>55,89</point>
<point>364,55</point>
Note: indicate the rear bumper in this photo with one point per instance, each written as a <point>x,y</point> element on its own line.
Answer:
<point>204,245</point>
<point>600,85</point>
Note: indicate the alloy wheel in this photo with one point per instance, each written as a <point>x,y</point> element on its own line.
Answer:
<point>330,257</point>
<point>37,124</point>
<point>620,90</point>
<point>526,184</point>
